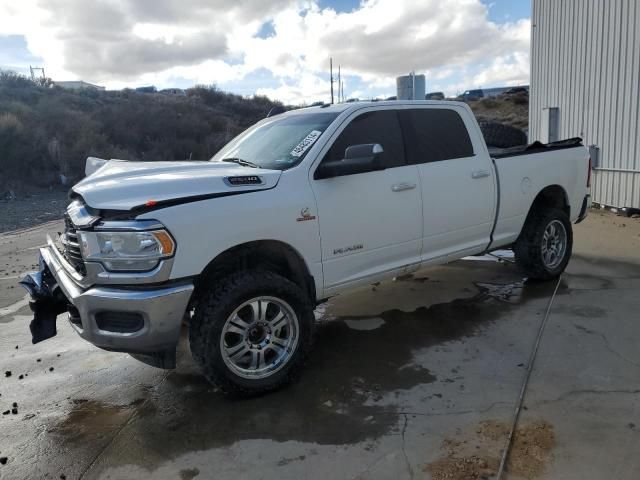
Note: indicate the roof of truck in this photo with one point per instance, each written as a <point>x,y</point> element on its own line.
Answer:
<point>341,107</point>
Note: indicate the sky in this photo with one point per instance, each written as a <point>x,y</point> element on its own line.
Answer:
<point>278,48</point>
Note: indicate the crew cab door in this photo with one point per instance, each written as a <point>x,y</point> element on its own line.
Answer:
<point>457,180</point>
<point>370,222</point>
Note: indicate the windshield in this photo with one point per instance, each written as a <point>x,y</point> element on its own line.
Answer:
<point>276,144</point>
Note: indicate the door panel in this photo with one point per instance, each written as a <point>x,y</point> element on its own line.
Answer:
<point>458,185</point>
<point>370,223</point>
<point>366,226</point>
<point>458,206</point>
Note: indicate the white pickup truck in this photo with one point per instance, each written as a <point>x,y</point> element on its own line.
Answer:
<point>300,207</point>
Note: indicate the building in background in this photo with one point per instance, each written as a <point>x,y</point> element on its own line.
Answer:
<point>411,87</point>
<point>585,82</point>
<point>77,85</point>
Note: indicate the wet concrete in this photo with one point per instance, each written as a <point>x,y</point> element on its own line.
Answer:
<point>587,378</point>
<point>339,400</point>
<point>397,368</point>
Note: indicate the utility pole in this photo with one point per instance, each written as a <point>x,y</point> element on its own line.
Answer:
<point>34,70</point>
<point>339,83</point>
<point>331,77</point>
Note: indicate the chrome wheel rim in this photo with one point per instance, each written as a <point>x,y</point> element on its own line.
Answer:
<point>554,244</point>
<point>259,337</point>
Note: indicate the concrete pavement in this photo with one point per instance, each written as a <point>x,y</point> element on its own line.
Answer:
<point>414,378</point>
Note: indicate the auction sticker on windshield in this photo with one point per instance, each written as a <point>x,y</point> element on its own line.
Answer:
<point>306,142</point>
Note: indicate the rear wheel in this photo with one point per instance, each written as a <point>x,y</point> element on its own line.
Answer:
<point>544,246</point>
<point>251,332</point>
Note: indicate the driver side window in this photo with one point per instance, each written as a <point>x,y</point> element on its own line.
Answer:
<point>381,127</point>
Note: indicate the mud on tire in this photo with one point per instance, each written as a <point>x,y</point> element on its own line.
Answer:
<point>211,328</point>
<point>530,250</point>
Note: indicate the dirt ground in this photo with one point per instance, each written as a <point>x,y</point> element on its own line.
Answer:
<point>476,455</point>
<point>608,235</point>
<point>415,378</point>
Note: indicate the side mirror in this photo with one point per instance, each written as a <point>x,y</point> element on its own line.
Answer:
<point>357,159</point>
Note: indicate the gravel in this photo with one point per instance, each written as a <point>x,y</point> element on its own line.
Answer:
<point>31,209</point>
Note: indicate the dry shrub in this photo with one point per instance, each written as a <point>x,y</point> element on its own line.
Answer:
<point>520,99</point>
<point>53,130</point>
<point>489,103</point>
<point>9,121</point>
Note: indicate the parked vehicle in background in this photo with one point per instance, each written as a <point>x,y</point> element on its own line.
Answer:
<point>173,91</point>
<point>476,94</point>
<point>300,207</point>
<point>471,95</point>
<point>517,91</point>
<point>148,89</point>
<point>434,96</point>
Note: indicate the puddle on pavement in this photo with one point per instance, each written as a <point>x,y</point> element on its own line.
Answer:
<point>584,311</point>
<point>410,277</point>
<point>365,324</point>
<point>507,293</point>
<point>495,256</point>
<point>336,400</point>
<point>599,268</point>
<point>584,282</point>
<point>91,420</point>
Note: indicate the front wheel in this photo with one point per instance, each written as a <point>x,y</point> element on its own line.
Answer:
<point>251,332</point>
<point>544,246</point>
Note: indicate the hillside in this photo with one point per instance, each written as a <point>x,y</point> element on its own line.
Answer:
<point>46,133</point>
<point>511,110</point>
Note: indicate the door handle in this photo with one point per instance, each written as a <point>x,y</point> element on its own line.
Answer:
<point>480,174</point>
<point>399,187</point>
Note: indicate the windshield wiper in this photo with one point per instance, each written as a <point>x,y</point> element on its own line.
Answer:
<point>239,161</point>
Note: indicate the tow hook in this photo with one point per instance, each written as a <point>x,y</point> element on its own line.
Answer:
<point>47,302</point>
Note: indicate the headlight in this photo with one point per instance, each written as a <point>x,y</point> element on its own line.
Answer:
<point>127,251</point>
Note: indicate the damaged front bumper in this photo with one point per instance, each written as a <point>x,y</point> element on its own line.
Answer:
<point>142,320</point>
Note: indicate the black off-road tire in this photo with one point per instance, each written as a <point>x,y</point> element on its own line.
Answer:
<point>213,308</point>
<point>502,136</point>
<point>528,246</point>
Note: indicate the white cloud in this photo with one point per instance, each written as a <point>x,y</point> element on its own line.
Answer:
<point>308,88</point>
<point>508,70</point>
<point>125,42</point>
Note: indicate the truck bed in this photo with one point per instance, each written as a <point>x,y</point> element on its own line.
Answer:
<point>526,170</point>
<point>535,147</point>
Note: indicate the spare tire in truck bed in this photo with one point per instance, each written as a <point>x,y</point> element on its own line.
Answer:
<point>502,136</point>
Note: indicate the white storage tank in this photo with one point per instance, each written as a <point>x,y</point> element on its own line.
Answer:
<point>411,87</point>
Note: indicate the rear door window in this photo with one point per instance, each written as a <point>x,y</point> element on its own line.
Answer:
<point>381,127</point>
<point>434,135</point>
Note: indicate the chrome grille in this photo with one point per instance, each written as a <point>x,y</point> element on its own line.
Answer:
<point>71,246</point>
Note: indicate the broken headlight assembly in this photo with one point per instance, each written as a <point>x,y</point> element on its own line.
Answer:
<point>126,251</point>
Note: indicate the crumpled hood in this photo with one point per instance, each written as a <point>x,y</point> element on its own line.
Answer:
<point>123,185</point>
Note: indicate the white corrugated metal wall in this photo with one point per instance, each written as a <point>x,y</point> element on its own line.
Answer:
<point>585,61</point>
